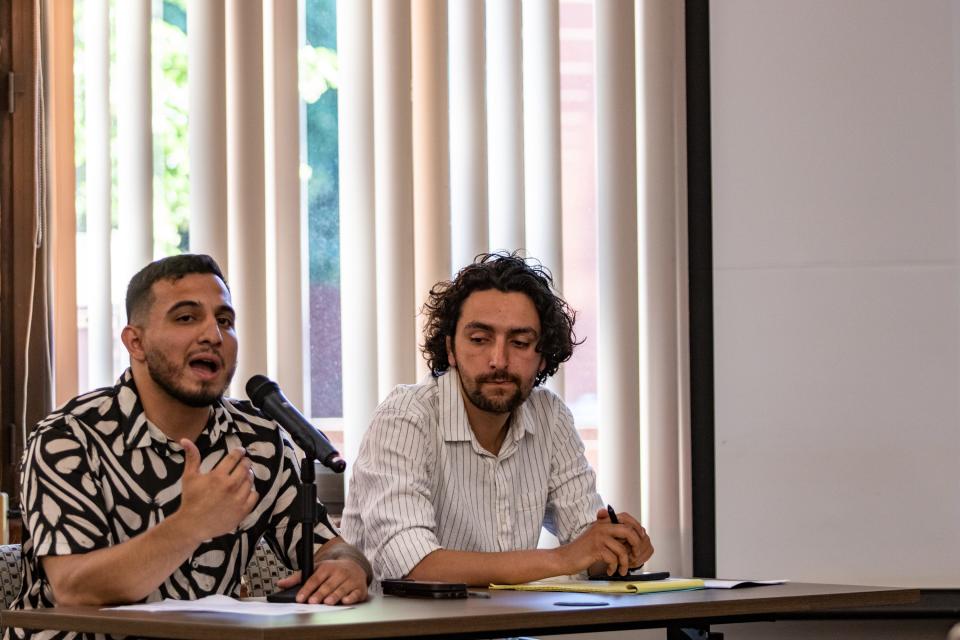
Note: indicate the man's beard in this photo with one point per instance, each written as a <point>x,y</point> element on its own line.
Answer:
<point>501,404</point>
<point>167,376</point>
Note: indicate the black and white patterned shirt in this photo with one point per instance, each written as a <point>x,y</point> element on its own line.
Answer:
<point>422,481</point>
<point>96,473</point>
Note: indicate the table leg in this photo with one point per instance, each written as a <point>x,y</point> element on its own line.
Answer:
<point>692,633</point>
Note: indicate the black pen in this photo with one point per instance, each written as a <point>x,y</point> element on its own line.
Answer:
<point>613,515</point>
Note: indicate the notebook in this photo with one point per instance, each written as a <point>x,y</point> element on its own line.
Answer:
<point>605,586</point>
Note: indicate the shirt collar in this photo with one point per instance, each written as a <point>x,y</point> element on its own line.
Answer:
<point>141,432</point>
<point>454,424</point>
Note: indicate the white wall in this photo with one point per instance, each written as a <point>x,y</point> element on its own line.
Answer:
<point>837,289</point>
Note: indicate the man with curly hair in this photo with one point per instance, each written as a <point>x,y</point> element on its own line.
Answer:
<point>457,475</point>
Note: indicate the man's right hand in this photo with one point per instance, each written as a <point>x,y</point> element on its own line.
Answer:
<point>216,502</point>
<point>603,548</point>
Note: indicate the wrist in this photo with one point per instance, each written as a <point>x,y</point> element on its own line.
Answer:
<point>184,529</point>
<point>560,564</point>
<point>344,551</point>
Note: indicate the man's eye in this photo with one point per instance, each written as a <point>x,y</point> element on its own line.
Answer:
<point>226,322</point>
<point>521,344</point>
<point>477,339</point>
<point>185,318</point>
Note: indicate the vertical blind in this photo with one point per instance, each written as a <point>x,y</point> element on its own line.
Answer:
<point>449,125</point>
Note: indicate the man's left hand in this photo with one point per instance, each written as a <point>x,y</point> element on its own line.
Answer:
<point>638,554</point>
<point>334,581</point>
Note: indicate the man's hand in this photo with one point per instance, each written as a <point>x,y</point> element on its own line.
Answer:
<point>339,576</point>
<point>637,555</point>
<point>608,548</point>
<point>212,504</point>
<point>216,502</point>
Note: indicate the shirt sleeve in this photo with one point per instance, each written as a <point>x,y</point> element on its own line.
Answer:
<point>62,500</point>
<point>390,513</point>
<point>572,500</point>
<point>284,530</point>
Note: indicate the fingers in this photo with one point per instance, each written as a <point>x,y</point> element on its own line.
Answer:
<point>355,596</point>
<point>252,498</point>
<point>637,538</point>
<point>609,559</point>
<point>335,581</point>
<point>617,545</point>
<point>327,594</point>
<point>621,557</point>
<point>235,464</point>
<point>645,554</point>
<point>237,470</point>
<point>242,474</point>
<point>625,538</point>
<point>289,581</point>
<point>630,521</point>
<point>191,457</point>
<point>642,549</point>
<point>318,586</point>
<point>230,462</point>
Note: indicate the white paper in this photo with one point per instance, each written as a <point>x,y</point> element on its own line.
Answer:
<point>226,604</point>
<point>735,584</point>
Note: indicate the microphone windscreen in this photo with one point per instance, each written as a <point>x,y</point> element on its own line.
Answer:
<point>257,389</point>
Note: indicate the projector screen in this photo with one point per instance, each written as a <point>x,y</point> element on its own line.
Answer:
<point>837,289</point>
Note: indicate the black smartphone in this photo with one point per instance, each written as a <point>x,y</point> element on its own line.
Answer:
<point>423,589</point>
<point>639,576</point>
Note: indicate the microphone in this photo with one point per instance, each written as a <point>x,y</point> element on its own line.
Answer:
<point>266,396</point>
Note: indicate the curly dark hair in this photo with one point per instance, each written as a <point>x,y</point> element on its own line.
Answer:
<point>506,272</point>
<point>139,291</point>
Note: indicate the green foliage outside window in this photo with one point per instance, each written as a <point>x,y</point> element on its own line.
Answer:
<point>318,81</point>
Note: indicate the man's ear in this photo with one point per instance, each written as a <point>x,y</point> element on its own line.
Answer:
<point>451,357</point>
<point>543,364</point>
<point>133,341</point>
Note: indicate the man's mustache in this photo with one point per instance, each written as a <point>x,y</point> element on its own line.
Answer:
<point>499,376</point>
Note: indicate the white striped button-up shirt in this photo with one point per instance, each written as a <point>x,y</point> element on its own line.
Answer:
<point>422,482</point>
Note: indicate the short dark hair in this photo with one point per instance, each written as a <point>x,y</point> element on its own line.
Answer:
<point>139,291</point>
<point>506,272</point>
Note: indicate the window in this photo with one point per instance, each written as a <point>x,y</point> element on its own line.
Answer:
<point>577,118</point>
<point>318,81</point>
<point>319,173</point>
<point>172,180</point>
<point>171,185</point>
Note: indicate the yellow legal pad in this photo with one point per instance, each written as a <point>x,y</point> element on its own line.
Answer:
<point>606,586</point>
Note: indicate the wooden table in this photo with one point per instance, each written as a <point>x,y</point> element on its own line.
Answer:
<point>503,613</point>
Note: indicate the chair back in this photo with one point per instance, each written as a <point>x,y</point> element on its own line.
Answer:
<point>263,572</point>
<point>11,574</point>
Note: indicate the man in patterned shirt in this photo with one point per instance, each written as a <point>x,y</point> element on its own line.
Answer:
<point>456,475</point>
<point>159,487</point>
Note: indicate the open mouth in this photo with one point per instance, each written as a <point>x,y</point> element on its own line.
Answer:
<point>205,365</point>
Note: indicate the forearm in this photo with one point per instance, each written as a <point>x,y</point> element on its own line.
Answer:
<point>482,568</point>
<point>337,549</point>
<point>123,573</point>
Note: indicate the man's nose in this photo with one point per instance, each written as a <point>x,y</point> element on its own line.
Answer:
<point>498,354</point>
<point>211,332</point>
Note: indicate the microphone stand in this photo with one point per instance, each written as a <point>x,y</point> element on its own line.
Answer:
<point>310,513</point>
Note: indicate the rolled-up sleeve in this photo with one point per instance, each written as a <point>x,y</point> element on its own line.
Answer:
<point>573,500</point>
<point>62,499</point>
<point>389,513</point>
